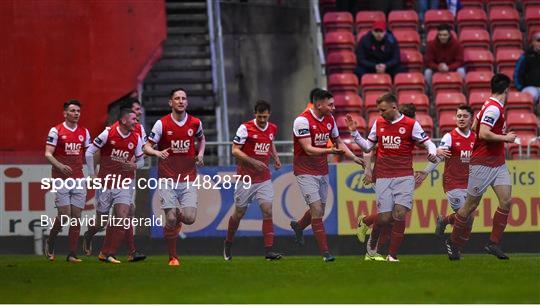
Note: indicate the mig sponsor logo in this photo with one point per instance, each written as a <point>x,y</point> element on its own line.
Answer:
<point>391,142</point>
<point>180,146</point>
<point>262,148</point>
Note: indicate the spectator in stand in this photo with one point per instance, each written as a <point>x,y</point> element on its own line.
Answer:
<point>527,73</point>
<point>378,52</point>
<point>443,54</point>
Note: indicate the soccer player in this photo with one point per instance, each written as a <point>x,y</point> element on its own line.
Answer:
<point>175,135</point>
<point>312,129</point>
<point>459,144</point>
<point>396,136</point>
<point>252,146</point>
<point>487,167</point>
<point>121,154</point>
<point>64,150</point>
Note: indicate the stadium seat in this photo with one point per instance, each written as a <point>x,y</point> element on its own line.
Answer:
<point>519,100</point>
<point>479,4</point>
<point>361,34</point>
<point>527,3</point>
<point>420,100</point>
<point>372,116</point>
<point>506,59</point>
<point>365,19</point>
<point>477,98</point>
<point>338,41</point>
<point>447,82</point>
<point>343,82</point>
<point>410,81</point>
<point>403,19</point>
<point>532,16</point>
<point>475,80</point>
<point>370,101</point>
<point>348,101</point>
<point>474,38</point>
<point>500,3</point>
<point>447,121</point>
<point>426,122</point>
<point>507,37</point>
<point>407,38</point>
<point>525,139</point>
<point>412,59</point>
<point>433,18</point>
<point>375,82</point>
<point>338,21</point>
<point>503,17</point>
<point>341,62</point>
<point>449,101</point>
<point>471,18</point>
<point>342,126</point>
<point>521,122</point>
<point>478,60</point>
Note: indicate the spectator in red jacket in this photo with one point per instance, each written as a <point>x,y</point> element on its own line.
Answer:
<point>443,54</point>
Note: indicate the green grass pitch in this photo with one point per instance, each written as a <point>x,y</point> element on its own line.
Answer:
<point>295,279</point>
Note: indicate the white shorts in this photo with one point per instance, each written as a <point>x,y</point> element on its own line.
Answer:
<point>179,197</point>
<point>480,177</point>
<point>262,192</point>
<point>313,187</point>
<point>456,198</point>
<point>73,196</point>
<point>107,198</point>
<point>395,190</point>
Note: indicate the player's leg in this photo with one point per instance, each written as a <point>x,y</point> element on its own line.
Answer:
<point>234,221</point>
<point>133,254</point>
<point>74,232</point>
<point>456,198</point>
<point>364,222</point>
<point>402,190</point>
<point>299,226</point>
<point>503,190</point>
<point>268,232</point>
<point>102,203</point>
<point>118,228</point>
<point>169,204</point>
<point>64,210</point>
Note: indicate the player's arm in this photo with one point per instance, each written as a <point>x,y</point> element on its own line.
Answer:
<point>301,131</point>
<point>488,120</point>
<point>347,152</point>
<point>368,169</point>
<point>52,140</point>
<point>366,144</point>
<point>442,151</point>
<point>423,140</point>
<point>201,140</point>
<point>241,155</point>
<point>152,140</point>
<point>137,162</point>
<point>89,156</point>
<point>275,156</point>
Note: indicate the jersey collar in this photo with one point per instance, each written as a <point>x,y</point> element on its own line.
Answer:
<point>120,133</point>
<point>398,119</point>
<point>315,116</point>
<point>180,123</point>
<point>461,133</point>
<point>67,127</point>
<point>262,130</point>
<point>497,100</point>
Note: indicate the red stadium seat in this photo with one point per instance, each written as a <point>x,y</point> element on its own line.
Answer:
<point>471,18</point>
<point>338,21</point>
<point>361,34</point>
<point>506,59</point>
<point>426,122</point>
<point>420,100</point>
<point>478,80</point>
<point>340,62</point>
<point>348,101</point>
<point>507,37</point>
<point>342,126</point>
<point>372,116</point>
<point>337,41</point>
<point>503,17</point>
<point>474,38</point>
<point>412,59</point>
<point>407,38</point>
<point>447,121</point>
<point>433,18</point>
<point>447,81</point>
<point>365,19</point>
<point>519,100</point>
<point>370,101</point>
<point>525,139</point>
<point>477,98</point>
<point>527,3</point>
<point>403,19</point>
<point>500,3</point>
<point>521,121</point>
<point>343,82</point>
<point>478,60</point>
<point>410,81</point>
<point>479,4</point>
<point>375,82</point>
<point>449,101</point>
<point>532,16</point>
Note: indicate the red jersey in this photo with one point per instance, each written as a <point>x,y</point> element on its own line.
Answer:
<point>319,130</point>
<point>137,128</point>
<point>256,143</point>
<point>396,141</point>
<point>491,154</point>
<point>456,168</point>
<point>179,138</point>
<point>69,145</point>
<point>116,150</point>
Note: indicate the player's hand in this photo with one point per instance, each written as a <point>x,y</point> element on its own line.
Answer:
<point>359,161</point>
<point>277,164</point>
<point>510,137</point>
<point>130,165</point>
<point>259,165</point>
<point>163,154</point>
<point>444,152</point>
<point>432,158</point>
<point>65,169</point>
<point>336,150</point>
<point>368,178</point>
<point>352,125</point>
<point>419,177</point>
<point>199,161</point>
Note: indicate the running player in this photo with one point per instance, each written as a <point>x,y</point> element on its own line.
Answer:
<point>120,150</point>
<point>252,146</point>
<point>396,136</point>
<point>459,144</point>
<point>175,135</point>
<point>487,167</point>
<point>64,150</point>
<point>312,130</point>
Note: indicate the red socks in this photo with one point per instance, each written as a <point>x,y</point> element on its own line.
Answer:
<point>73,234</point>
<point>231,229</point>
<point>268,233</point>
<point>450,219</point>
<point>56,228</point>
<point>384,237</point>
<point>320,234</point>
<point>396,236</point>
<point>170,235</point>
<point>130,239</point>
<point>374,236</point>
<point>500,218</point>
<point>306,220</point>
<point>461,232</point>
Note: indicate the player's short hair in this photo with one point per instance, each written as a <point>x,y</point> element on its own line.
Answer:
<point>129,101</point>
<point>312,93</point>
<point>408,110</point>
<point>72,102</point>
<point>261,106</point>
<point>321,94</point>
<point>499,83</point>
<point>387,97</point>
<point>175,90</point>
<point>124,111</point>
<point>444,27</point>
<point>466,108</point>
